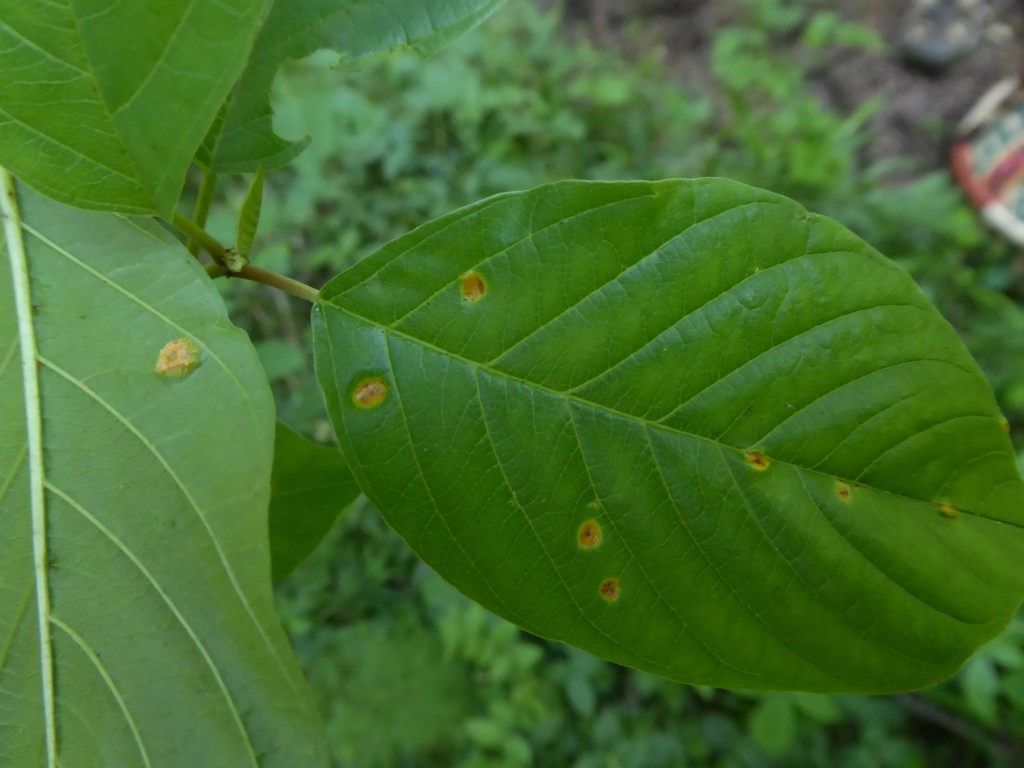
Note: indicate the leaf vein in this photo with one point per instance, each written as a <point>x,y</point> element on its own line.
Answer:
<point>426,485</point>
<point>606,408</point>
<point>187,494</point>
<point>490,257</point>
<point>945,420</point>
<point>642,261</point>
<point>115,286</point>
<point>40,50</point>
<point>810,587</point>
<point>505,479</point>
<point>888,577</point>
<point>94,659</point>
<point>774,632</point>
<point>171,606</point>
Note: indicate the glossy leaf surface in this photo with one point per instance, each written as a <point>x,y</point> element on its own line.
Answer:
<point>296,28</point>
<point>686,426</point>
<point>102,105</point>
<point>310,486</point>
<point>136,620</point>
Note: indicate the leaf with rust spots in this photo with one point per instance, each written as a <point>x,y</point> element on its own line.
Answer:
<point>715,365</point>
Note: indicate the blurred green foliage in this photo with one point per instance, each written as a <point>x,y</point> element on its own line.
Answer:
<point>408,672</point>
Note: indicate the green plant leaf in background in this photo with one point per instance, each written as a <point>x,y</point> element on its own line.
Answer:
<point>136,620</point>
<point>80,126</point>
<point>294,29</point>
<point>686,426</point>
<point>310,486</point>
<point>772,724</point>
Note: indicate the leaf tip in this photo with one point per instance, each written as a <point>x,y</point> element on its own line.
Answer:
<point>590,535</point>
<point>179,357</point>
<point>369,393</point>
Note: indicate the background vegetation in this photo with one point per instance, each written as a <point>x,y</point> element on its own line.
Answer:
<point>405,670</point>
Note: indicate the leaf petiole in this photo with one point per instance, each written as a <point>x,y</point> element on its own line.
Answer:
<point>202,209</point>
<point>274,280</point>
<point>222,259</point>
<point>196,234</point>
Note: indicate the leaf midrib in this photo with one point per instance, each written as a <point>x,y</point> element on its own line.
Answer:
<point>610,370</point>
<point>498,373</point>
<point>20,278</point>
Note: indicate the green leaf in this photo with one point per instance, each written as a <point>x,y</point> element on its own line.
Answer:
<point>136,618</point>
<point>389,692</point>
<point>296,28</point>
<point>249,215</point>
<point>485,732</point>
<point>818,707</point>
<point>686,426</point>
<point>772,725</point>
<point>280,358</point>
<point>102,105</point>
<point>980,684</point>
<point>310,486</point>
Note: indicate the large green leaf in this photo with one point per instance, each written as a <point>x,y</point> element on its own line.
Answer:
<point>103,104</point>
<point>136,621</point>
<point>294,29</point>
<point>310,486</point>
<point>686,426</point>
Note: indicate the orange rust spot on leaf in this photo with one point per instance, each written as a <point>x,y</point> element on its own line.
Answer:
<point>843,491</point>
<point>948,510</point>
<point>609,590</point>
<point>178,358</point>
<point>473,287</point>
<point>757,460</point>
<point>590,534</point>
<point>369,393</point>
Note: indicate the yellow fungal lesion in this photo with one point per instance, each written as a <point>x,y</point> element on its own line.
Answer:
<point>757,459</point>
<point>590,535</point>
<point>948,510</point>
<point>609,590</point>
<point>179,357</point>
<point>369,393</point>
<point>843,491</point>
<point>473,287</point>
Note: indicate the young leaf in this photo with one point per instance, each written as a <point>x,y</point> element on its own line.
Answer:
<point>249,215</point>
<point>136,434</point>
<point>104,104</point>
<point>296,28</point>
<point>310,486</point>
<point>686,426</point>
